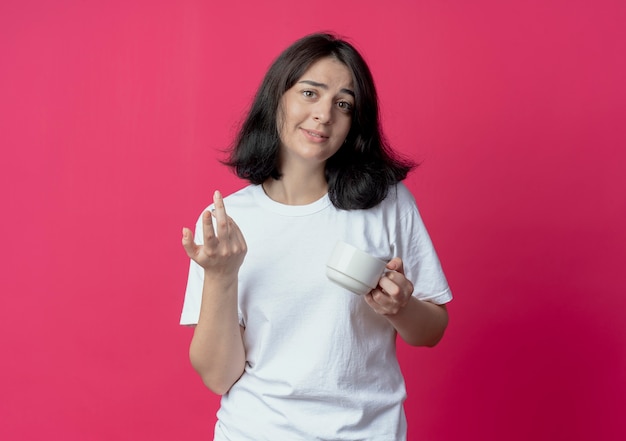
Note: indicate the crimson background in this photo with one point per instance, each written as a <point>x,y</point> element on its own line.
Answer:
<point>113,115</point>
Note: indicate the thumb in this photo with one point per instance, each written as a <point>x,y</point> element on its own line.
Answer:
<point>395,264</point>
<point>188,243</point>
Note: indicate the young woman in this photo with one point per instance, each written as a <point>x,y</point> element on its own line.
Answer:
<point>295,356</point>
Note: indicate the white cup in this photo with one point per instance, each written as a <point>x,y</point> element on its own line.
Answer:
<point>353,269</point>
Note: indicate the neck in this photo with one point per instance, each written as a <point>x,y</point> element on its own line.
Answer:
<point>296,189</point>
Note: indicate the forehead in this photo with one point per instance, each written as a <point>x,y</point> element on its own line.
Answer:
<point>331,72</point>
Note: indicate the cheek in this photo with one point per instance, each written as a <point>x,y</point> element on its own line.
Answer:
<point>345,127</point>
<point>294,113</point>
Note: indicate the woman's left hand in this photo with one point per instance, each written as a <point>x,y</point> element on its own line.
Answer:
<point>393,292</point>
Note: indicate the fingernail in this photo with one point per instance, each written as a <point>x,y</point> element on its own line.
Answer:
<point>218,194</point>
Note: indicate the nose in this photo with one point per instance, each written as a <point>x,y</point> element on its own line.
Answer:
<point>322,113</point>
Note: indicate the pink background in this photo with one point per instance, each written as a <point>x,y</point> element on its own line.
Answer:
<point>112,118</point>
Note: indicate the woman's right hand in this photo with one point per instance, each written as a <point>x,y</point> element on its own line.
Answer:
<point>221,254</point>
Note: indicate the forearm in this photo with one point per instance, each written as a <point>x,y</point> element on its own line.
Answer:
<point>217,351</point>
<point>420,323</point>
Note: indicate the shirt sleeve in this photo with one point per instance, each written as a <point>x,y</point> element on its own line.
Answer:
<point>195,280</point>
<point>413,244</point>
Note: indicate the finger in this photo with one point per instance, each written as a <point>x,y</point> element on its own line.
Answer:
<point>235,232</point>
<point>387,285</point>
<point>369,299</point>
<point>380,301</point>
<point>188,244</point>
<point>208,233</point>
<point>221,218</point>
<point>397,286</point>
<point>381,295</point>
<point>400,279</point>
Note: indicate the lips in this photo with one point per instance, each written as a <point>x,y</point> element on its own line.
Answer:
<point>320,136</point>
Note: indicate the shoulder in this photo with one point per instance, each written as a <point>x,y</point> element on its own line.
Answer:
<point>239,197</point>
<point>399,198</point>
<point>236,201</point>
<point>243,195</point>
<point>399,208</point>
<point>403,194</point>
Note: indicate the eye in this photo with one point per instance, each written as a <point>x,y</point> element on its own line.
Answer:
<point>308,93</point>
<point>345,106</point>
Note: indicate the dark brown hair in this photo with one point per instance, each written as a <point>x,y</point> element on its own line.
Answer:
<point>360,173</point>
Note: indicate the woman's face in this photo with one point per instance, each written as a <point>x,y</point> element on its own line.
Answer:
<point>315,115</point>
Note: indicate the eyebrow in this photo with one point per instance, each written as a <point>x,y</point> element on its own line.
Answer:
<point>325,87</point>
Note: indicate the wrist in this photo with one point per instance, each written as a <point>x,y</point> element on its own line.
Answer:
<point>223,279</point>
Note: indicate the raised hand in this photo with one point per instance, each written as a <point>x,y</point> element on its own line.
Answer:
<point>393,292</point>
<point>224,246</point>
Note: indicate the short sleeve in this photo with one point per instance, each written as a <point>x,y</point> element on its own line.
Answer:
<point>413,244</point>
